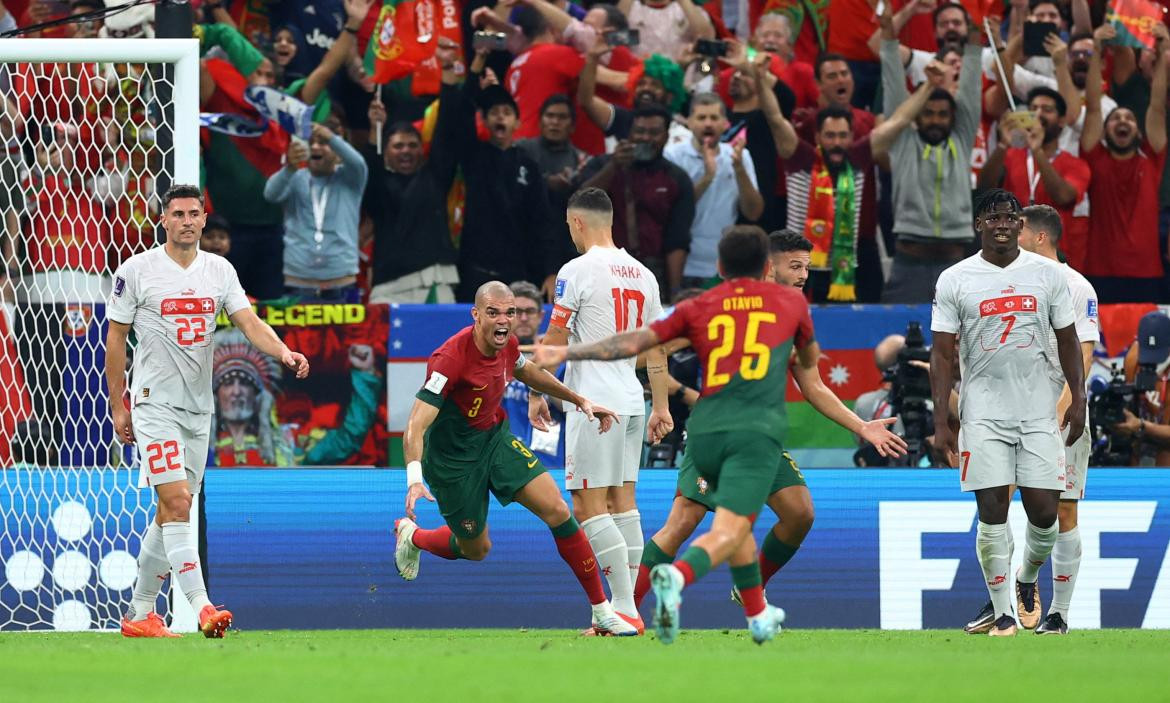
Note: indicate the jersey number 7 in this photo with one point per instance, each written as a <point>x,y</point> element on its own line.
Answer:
<point>756,355</point>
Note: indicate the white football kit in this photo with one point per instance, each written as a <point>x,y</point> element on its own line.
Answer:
<point>599,294</point>
<point>1084,303</point>
<point>172,311</point>
<point>1004,318</point>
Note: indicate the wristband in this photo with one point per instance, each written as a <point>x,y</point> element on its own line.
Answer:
<point>351,31</point>
<point>413,473</point>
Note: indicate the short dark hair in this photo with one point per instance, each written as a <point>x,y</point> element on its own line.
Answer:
<point>218,221</point>
<point>613,16</point>
<point>524,289</point>
<point>1043,91</point>
<point>1079,36</point>
<point>531,23</point>
<point>1033,4</point>
<point>402,127</point>
<point>1044,218</point>
<point>658,111</point>
<point>942,94</point>
<point>743,251</point>
<point>558,99</point>
<point>827,57</point>
<point>992,197</point>
<point>591,200</point>
<point>834,113</point>
<point>950,6</point>
<point>181,191</point>
<point>785,240</point>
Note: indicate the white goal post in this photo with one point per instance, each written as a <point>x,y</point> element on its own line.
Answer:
<point>82,153</point>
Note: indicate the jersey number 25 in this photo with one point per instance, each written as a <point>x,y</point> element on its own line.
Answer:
<point>756,355</point>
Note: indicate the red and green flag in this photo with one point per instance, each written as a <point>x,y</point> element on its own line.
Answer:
<point>404,37</point>
<point>1135,21</point>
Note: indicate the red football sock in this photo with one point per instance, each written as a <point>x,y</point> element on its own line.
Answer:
<point>687,572</point>
<point>575,550</point>
<point>642,586</point>
<point>438,541</point>
<point>768,568</point>
<point>753,600</point>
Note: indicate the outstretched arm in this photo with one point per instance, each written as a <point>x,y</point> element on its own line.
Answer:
<point>599,111</point>
<point>1156,114</point>
<point>1094,126</point>
<point>343,46</point>
<point>885,133</point>
<point>620,346</point>
<point>264,338</point>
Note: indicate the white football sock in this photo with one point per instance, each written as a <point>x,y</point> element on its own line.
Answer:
<point>609,548</point>
<point>1011,539</point>
<point>630,524</point>
<point>184,558</point>
<point>153,569</point>
<point>1066,562</point>
<point>991,544</point>
<point>1038,543</point>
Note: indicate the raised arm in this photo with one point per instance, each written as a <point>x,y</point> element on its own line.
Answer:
<point>968,103</point>
<point>783,133</point>
<point>893,74</point>
<point>1094,126</point>
<point>1064,82</point>
<point>891,23</point>
<point>697,22</point>
<point>335,58</point>
<point>355,171</point>
<point>885,133</point>
<point>599,111</point>
<point>279,185</point>
<point>1156,114</point>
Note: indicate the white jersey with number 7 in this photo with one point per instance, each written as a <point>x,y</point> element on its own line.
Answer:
<point>172,311</point>
<point>1004,318</point>
<point>599,294</point>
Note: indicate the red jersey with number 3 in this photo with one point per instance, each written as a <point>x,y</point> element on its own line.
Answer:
<point>744,331</point>
<point>172,310</point>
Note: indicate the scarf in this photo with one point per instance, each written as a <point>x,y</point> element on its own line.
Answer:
<point>830,225</point>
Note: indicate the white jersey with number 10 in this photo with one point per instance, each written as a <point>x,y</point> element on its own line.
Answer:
<point>1004,318</point>
<point>599,294</point>
<point>172,311</point>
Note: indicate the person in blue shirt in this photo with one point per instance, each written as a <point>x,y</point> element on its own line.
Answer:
<point>548,446</point>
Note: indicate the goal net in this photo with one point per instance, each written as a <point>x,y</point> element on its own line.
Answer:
<point>91,131</point>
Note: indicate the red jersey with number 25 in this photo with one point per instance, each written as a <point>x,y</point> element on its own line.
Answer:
<point>744,331</point>
<point>172,310</point>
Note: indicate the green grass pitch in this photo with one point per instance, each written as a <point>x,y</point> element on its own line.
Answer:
<point>480,666</point>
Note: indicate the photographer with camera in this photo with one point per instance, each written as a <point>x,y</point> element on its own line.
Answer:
<point>1130,417</point>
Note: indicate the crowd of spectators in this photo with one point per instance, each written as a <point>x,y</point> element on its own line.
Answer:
<point>867,133</point>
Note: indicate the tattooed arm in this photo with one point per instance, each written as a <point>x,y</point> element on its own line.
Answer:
<point>620,346</point>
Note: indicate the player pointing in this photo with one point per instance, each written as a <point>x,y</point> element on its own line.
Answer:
<point>600,293</point>
<point>743,331</point>
<point>457,438</point>
<point>1003,304</point>
<point>170,296</point>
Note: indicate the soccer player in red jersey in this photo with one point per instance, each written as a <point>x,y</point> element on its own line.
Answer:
<point>744,331</point>
<point>457,438</point>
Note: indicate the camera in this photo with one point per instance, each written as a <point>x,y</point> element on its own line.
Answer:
<point>910,393</point>
<point>1108,401</point>
<point>713,48</point>
<point>494,41</point>
<point>622,37</point>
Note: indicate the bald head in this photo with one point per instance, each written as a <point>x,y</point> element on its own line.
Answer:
<point>886,352</point>
<point>494,290</point>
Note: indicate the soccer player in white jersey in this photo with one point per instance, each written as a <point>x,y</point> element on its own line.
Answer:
<point>170,296</point>
<point>1001,305</point>
<point>604,292</point>
<point>1041,234</point>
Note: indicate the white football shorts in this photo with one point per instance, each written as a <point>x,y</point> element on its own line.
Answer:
<point>595,460</point>
<point>1028,454</point>
<point>172,445</point>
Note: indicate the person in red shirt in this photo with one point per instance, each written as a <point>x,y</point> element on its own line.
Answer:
<point>1040,173</point>
<point>835,88</point>
<point>546,68</point>
<point>774,36</point>
<point>1124,263</point>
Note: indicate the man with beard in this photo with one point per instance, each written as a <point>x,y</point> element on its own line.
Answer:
<point>508,230</point>
<point>952,28</point>
<point>1039,173</point>
<point>835,87</point>
<point>725,186</point>
<point>931,172</point>
<point>653,200</point>
<point>1124,263</point>
<point>557,159</point>
<point>659,81</point>
<point>825,183</point>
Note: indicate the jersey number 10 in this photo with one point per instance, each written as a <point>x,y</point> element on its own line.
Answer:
<point>756,355</point>
<point>622,297</point>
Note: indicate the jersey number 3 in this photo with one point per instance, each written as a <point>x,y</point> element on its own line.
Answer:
<point>756,355</point>
<point>192,330</point>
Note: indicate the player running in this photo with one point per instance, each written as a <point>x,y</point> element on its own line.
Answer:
<point>601,293</point>
<point>170,296</point>
<point>1041,234</point>
<point>789,497</point>
<point>1005,304</point>
<point>457,438</point>
<point>743,331</point>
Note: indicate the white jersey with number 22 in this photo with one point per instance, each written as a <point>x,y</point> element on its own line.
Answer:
<point>1004,318</point>
<point>172,311</point>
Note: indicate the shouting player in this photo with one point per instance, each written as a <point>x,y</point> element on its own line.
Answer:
<point>788,497</point>
<point>743,331</point>
<point>599,294</point>
<point>1041,234</point>
<point>1004,304</point>
<point>170,296</point>
<point>457,438</point>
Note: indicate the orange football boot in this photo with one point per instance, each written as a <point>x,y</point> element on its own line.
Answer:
<point>213,623</point>
<point>150,626</point>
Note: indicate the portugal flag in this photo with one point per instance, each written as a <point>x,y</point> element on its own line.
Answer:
<point>1135,21</point>
<point>404,37</point>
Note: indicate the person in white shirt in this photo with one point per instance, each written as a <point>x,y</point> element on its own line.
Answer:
<point>1000,306</point>
<point>604,292</point>
<point>170,296</point>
